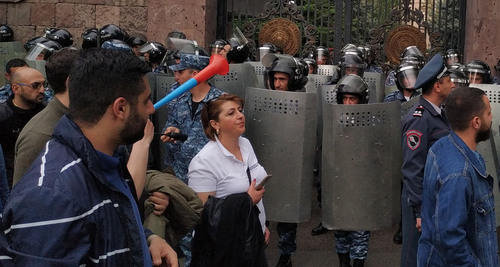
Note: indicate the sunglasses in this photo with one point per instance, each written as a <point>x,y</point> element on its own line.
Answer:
<point>35,85</point>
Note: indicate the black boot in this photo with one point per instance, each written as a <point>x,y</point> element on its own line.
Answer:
<point>319,230</point>
<point>344,259</point>
<point>398,236</point>
<point>284,261</point>
<point>358,263</point>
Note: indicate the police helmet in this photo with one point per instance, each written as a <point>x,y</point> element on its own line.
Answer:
<point>6,33</point>
<point>459,78</point>
<point>452,56</point>
<point>32,41</point>
<point>155,50</point>
<point>353,85</point>
<point>111,31</point>
<point>217,46</point>
<point>89,38</point>
<point>61,36</point>
<point>239,52</point>
<point>352,64</point>
<point>176,34</point>
<point>137,40</point>
<point>321,55</point>
<point>350,49</point>
<point>312,65</point>
<point>456,66</point>
<point>117,45</point>
<point>43,50</point>
<point>412,51</point>
<point>296,69</point>
<point>478,72</point>
<point>406,75</point>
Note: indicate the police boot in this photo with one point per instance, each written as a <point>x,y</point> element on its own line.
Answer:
<point>284,261</point>
<point>358,263</point>
<point>344,259</point>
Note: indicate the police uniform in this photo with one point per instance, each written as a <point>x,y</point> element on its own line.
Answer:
<point>422,126</point>
<point>399,96</point>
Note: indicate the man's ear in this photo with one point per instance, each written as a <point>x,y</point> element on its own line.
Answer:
<point>476,122</point>
<point>121,108</point>
<point>15,87</point>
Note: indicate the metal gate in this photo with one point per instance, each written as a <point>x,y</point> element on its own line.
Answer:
<point>362,22</point>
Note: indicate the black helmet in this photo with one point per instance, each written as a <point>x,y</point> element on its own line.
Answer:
<point>31,42</point>
<point>118,45</point>
<point>155,50</point>
<point>266,48</point>
<point>296,69</point>
<point>353,85</point>
<point>43,50</point>
<point>111,31</point>
<point>459,78</point>
<point>321,55</point>
<point>137,40</point>
<point>352,64</point>
<point>6,33</point>
<point>311,63</point>
<point>412,51</point>
<point>176,34</point>
<point>61,36</point>
<point>350,49</point>
<point>217,46</point>
<point>456,66</point>
<point>238,53</point>
<point>406,75</point>
<point>89,38</point>
<point>452,56</point>
<point>477,69</point>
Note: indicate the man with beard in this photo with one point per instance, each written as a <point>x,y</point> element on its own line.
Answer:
<point>458,213</point>
<point>28,87</point>
<point>75,205</point>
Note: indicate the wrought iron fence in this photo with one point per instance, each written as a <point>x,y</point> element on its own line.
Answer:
<point>339,22</point>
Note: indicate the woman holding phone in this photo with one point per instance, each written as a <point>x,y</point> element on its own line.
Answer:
<point>225,174</point>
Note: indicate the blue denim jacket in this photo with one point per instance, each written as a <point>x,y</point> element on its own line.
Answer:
<point>458,216</point>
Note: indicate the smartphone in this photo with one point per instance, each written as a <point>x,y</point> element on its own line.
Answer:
<point>263,182</point>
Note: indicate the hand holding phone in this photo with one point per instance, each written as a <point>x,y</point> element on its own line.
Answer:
<point>263,182</point>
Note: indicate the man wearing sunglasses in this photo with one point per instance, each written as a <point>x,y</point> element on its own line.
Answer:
<point>28,87</point>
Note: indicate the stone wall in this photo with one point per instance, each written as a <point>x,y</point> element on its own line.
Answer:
<point>153,18</point>
<point>482,39</point>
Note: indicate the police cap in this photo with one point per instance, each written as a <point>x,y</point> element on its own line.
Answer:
<point>434,69</point>
<point>191,61</point>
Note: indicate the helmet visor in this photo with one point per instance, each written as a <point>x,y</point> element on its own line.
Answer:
<point>407,77</point>
<point>38,52</point>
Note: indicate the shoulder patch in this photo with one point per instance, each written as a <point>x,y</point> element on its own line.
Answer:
<point>413,138</point>
<point>418,111</point>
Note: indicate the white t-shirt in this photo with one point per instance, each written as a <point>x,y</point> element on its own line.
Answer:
<point>215,169</point>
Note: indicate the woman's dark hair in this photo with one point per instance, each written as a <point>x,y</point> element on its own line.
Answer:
<point>462,105</point>
<point>212,110</point>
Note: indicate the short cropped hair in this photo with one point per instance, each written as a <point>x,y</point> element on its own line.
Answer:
<point>14,63</point>
<point>462,105</point>
<point>58,67</point>
<point>98,78</point>
<point>212,110</point>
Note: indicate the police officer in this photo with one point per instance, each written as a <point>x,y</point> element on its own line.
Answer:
<point>286,73</point>
<point>406,76</point>
<point>350,63</point>
<point>452,56</point>
<point>370,56</point>
<point>154,52</point>
<point>321,54</point>
<point>423,125</point>
<point>410,53</point>
<point>312,65</point>
<point>459,78</point>
<point>478,72</point>
<point>219,47</point>
<point>352,245</point>
<point>238,52</point>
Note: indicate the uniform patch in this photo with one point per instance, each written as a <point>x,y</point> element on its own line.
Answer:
<point>418,111</point>
<point>413,138</point>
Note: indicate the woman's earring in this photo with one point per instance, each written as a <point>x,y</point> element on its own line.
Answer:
<point>217,131</point>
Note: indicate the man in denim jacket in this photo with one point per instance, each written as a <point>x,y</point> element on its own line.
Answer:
<point>458,216</point>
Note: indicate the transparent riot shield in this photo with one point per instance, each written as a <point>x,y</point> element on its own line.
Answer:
<point>38,65</point>
<point>489,149</point>
<point>361,163</point>
<point>237,79</point>
<point>282,129</point>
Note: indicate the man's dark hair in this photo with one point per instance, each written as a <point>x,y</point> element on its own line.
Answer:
<point>58,67</point>
<point>14,63</point>
<point>462,105</point>
<point>98,78</point>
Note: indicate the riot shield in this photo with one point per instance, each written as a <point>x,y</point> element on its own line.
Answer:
<point>38,65</point>
<point>361,166</point>
<point>237,79</point>
<point>281,126</point>
<point>8,51</point>
<point>376,82</point>
<point>406,106</point>
<point>315,81</point>
<point>489,148</point>
<point>327,70</point>
<point>260,72</point>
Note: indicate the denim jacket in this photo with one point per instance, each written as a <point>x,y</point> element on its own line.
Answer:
<point>458,216</point>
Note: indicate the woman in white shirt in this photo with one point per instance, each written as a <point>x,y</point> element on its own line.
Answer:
<point>227,167</point>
